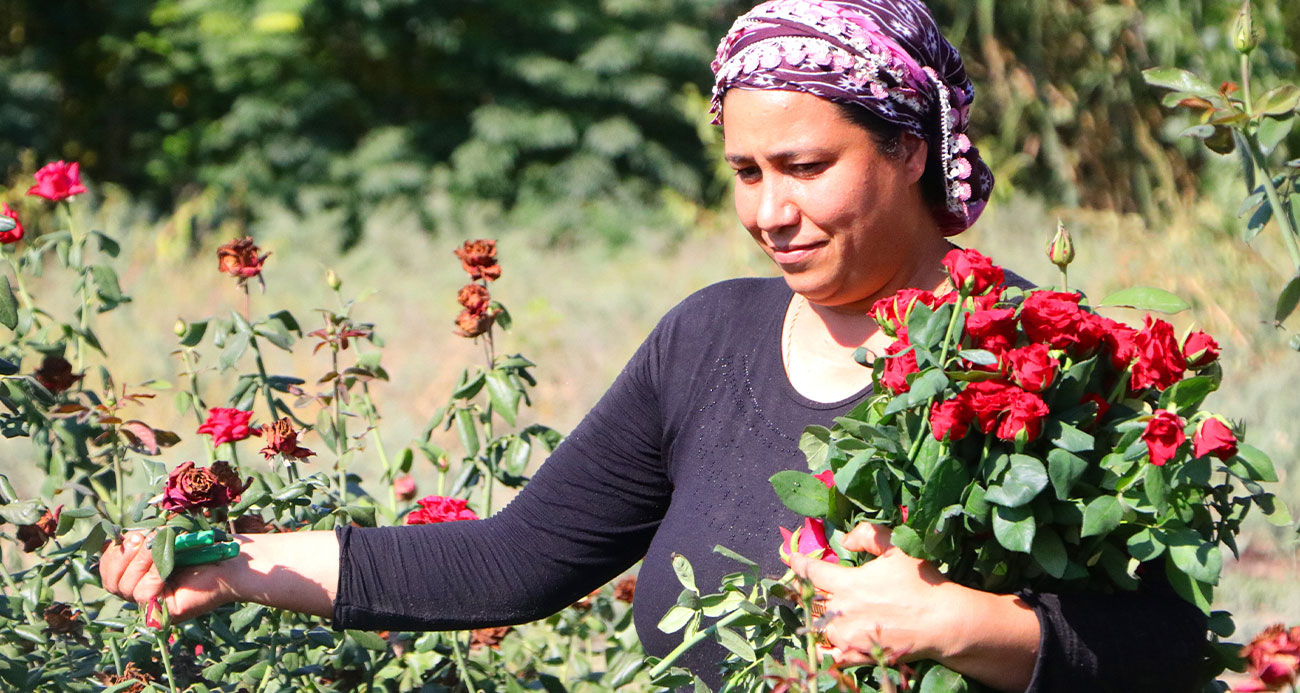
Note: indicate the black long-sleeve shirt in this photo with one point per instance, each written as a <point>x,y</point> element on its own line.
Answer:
<point>675,458</point>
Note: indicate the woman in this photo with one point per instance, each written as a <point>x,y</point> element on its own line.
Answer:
<point>845,123</point>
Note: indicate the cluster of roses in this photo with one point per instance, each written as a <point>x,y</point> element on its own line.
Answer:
<point>1272,659</point>
<point>479,260</point>
<point>1025,347</point>
<point>55,181</point>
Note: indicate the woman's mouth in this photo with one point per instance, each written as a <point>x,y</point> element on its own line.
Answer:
<point>794,253</point>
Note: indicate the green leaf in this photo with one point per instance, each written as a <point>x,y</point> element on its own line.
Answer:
<point>1179,80</point>
<point>803,493</point>
<point>1247,163</point>
<point>925,386</point>
<point>979,357</point>
<point>1194,591</point>
<point>1067,437</point>
<point>1023,480</point>
<point>503,395</point>
<point>1287,300</point>
<point>8,304</point>
<point>731,640</point>
<point>1201,560</point>
<point>685,573</point>
<point>1147,544</point>
<point>26,512</point>
<point>235,347</point>
<point>1279,101</point>
<point>1049,551</point>
<point>1064,469</point>
<point>1101,516</point>
<point>909,542</point>
<point>107,245</point>
<point>1014,528</point>
<point>1156,488</point>
<point>675,619</point>
<point>1272,131</point>
<point>1146,298</point>
<point>194,333</point>
<point>1255,463</point>
<point>815,444</point>
<point>369,640</point>
<point>106,284</point>
<point>285,320</point>
<point>1187,395</point>
<point>467,430</point>
<point>164,551</point>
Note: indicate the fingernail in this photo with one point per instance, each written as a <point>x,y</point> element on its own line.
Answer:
<point>132,539</point>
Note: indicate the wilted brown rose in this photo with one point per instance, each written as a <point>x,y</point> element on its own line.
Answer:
<point>625,589</point>
<point>252,524</point>
<point>189,487</point>
<point>488,637</point>
<point>130,672</point>
<point>34,536</point>
<point>282,439</point>
<point>62,619</point>
<point>470,324</point>
<point>239,258</point>
<point>55,374</point>
<point>479,259</point>
<point>474,297</point>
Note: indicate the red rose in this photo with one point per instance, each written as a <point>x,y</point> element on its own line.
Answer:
<point>16,233</point>
<point>435,509</point>
<point>827,477</point>
<point>971,272</point>
<point>988,399</point>
<point>58,181</point>
<point>189,487</point>
<point>1032,367</point>
<point>1102,405</point>
<point>808,540</point>
<point>898,367</point>
<point>227,425</point>
<point>1160,361</point>
<point>281,439</point>
<point>993,330</point>
<point>479,259</point>
<point>1213,437</point>
<point>1273,659</point>
<point>950,419</point>
<point>1120,341</point>
<point>1163,435</point>
<point>56,374</point>
<point>1023,417</point>
<point>240,258</point>
<point>1055,319</point>
<point>1200,350</point>
<point>892,312</point>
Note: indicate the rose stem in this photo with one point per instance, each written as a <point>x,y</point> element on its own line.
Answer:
<point>460,662</point>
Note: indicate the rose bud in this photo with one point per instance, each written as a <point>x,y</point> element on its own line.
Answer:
<point>333,281</point>
<point>57,181</point>
<point>1061,249</point>
<point>435,509</point>
<point>899,365</point>
<point>808,540</point>
<point>1200,350</point>
<point>972,273</point>
<point>1244,37</point>
<point>404,487</point>
<point>1163,435</point>
<point>11,231</point>
<point>179,328</point>
<point>1213,437</point>
<point>892,312</point>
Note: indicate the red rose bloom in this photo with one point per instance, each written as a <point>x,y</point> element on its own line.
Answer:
<point>1160,361</point>
<point>971,271</point>
<point>1120,341</point>
<point>892,312</point>
<point>1273,659</point>
<point>435,509</point>
<point>227,425</point>
<point>808,540</point>
<point>1024,416</point>
<point>56,374</point>
<point>1163,435</point>
<point>897,368</point>
<point>1032,367</point>
<point>474,297</point>
<point>189,487</point>
<point>988,399</point>
<point>1055,319</point>
<point>16,233</point>
<point>950,419</point>
<point>993,330</point>
<point>58,181</point>
<point>1214,438</point>
<point>1200,350</point>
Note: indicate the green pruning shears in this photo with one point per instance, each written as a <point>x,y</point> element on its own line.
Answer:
<point>207,546</point>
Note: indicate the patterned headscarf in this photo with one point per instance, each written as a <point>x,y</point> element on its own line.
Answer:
<point>884,55</point>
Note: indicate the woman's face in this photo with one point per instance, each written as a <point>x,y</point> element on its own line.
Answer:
<point>845,223</point>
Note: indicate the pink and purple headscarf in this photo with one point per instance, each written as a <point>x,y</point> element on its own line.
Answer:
<point>884,55</point>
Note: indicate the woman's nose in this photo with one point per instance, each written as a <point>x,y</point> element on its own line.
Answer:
<point>776,207</point>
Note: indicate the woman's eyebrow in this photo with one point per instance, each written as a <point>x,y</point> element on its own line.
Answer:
<point>785,155</point>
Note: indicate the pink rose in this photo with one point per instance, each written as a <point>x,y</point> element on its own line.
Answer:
<point>227,425</point>
<point>1214,438</point>
<point>1163,435</point>
<point>972,272</point>
<point>58,181</point>
<point>435,509</point>
<point>808,540</point>
<point>16,233</point>
<point>1273,659</point>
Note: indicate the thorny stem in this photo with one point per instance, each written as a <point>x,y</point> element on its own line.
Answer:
<point>165,651</point>
<point>1245,85</point>
<point>22,288</point>
<point>339,438</point>
<point>694,640</point>
<point>83,318</point>
<point>372,420</point>
<point>266,379</point>
<point>460,663</point>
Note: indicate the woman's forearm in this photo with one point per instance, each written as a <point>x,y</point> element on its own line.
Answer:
<point>298,571</point>
<point>995,639</point>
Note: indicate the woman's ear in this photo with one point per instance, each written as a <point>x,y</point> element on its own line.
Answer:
<point>916,153</point>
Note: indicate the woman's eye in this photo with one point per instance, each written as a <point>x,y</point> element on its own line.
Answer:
<point>807,168</point>
<point>749,173</point>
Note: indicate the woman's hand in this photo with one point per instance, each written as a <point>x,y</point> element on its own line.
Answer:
<point>127,570</point>
<point>906,607</point>
<point>298,571</point>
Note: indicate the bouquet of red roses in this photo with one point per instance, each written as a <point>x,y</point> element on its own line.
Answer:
<point>1016,439</point>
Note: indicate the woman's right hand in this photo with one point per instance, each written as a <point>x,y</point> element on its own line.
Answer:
<point>126,569</point>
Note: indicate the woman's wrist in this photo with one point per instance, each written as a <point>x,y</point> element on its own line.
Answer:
<point>296,571</point>
<point>991,637</point>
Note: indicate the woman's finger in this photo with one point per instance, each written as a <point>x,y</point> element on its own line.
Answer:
<point>872,538</point>
<point>116,559</point>
<point>824,575</point>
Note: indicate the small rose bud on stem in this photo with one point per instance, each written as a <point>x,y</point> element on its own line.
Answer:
<point>1244,37</point>
<point>333,280</point>
<point>1061,252</point>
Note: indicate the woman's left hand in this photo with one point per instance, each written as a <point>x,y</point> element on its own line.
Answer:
<point>905,607</point>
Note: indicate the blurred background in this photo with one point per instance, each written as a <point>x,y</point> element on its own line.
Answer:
<point>372,136</point>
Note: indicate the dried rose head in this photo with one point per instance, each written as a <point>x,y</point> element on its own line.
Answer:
<point>282,439</point>
<point>191,487</point>
<point>474,297</point>
<point>34,536</point>
<point>62,619</point>
<point>470,324</point>
<point>479,259</point>
<point>489,637</point>
<point>55,374</point>
<point>625,589</point>
<point>239,258</point>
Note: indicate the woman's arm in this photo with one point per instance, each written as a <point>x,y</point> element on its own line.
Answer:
<point>296,571</point>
